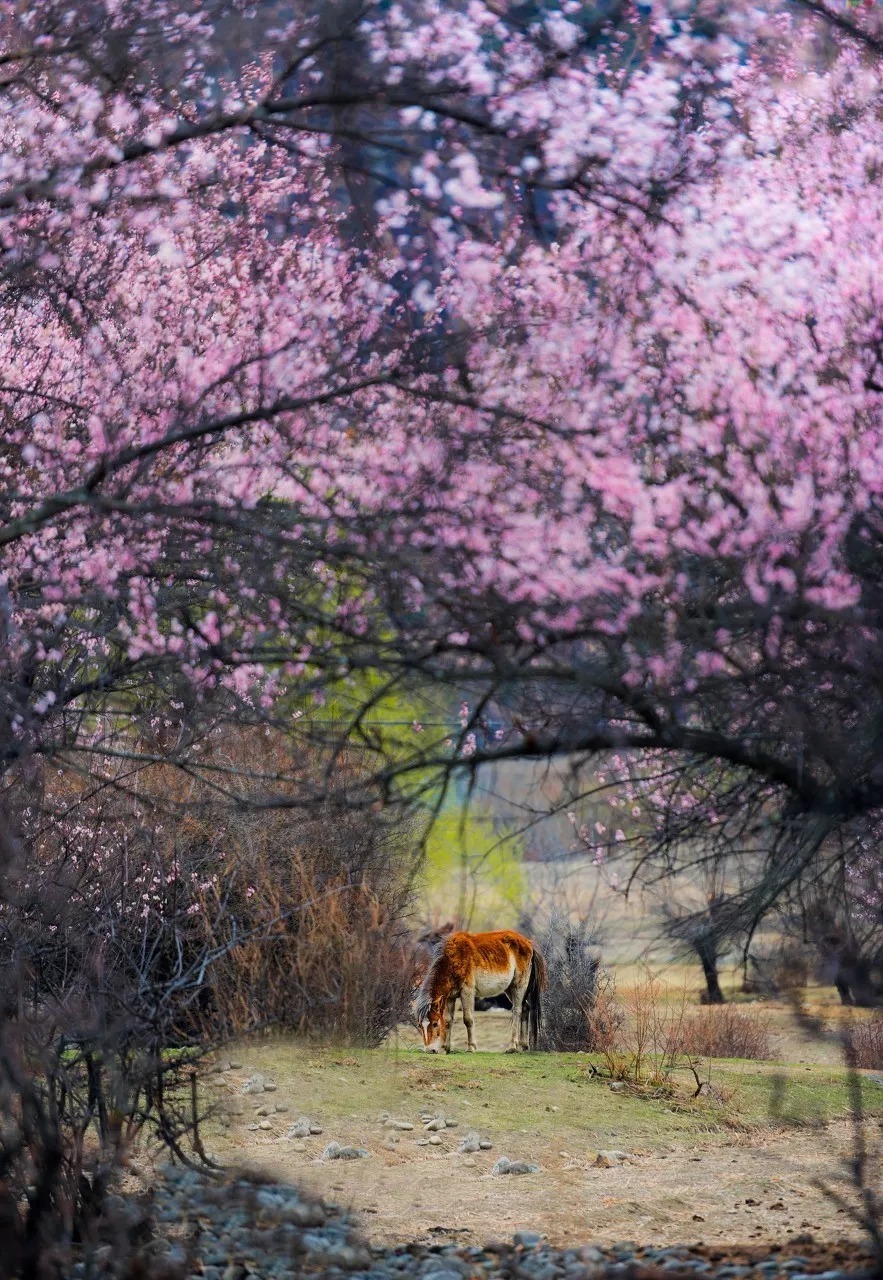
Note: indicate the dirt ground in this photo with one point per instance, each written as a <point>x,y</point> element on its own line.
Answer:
<point>685,1181</point>
<point>735,1191</point>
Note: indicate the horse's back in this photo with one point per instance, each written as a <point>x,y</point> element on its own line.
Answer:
<point>487,955</point>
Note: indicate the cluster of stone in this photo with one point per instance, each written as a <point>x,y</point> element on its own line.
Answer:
<point>249,1229</point>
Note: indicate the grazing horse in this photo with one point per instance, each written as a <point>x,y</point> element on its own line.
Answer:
<point>481,964</point>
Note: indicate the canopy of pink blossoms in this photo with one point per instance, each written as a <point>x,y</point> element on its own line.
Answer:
<point>586,390</point>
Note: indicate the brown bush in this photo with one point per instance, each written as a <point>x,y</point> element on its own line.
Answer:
<point>646,1034</point>
<point>573,1001</point>
<point>144,911</point>
<point>243,914</point>
<point>722,1031</point>
<point>863,1042</point>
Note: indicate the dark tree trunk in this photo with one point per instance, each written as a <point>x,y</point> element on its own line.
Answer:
<point>707,953</point>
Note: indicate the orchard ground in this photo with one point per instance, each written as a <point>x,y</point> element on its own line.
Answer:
<point>752,1162</point>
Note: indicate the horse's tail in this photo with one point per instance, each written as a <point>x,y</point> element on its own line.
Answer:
<point>533,999</point>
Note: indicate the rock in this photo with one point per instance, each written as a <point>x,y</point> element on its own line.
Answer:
<point>609,1159</point>
<point>254,1084</point>
<point>504,1165</point>
<point>265,1124</point>
<point>391,1143</point>
<point>315,1129</point>
<point>403,1125</point>
<point>346,1256</point>
<point>616,1086</point>
<point>334,1151</point>
<point>265,1111</point>
<point>270,1086</point>
<point>234,1065</point>
<point>436,1125</point>
<point>469,1143</point>
<point>282,1106</point>
<point>485,1144</point>
<point>435,1141</point>
<point>252,1127</point>
<point>527,1239</point>
<point>300,1128</point>
<point>297,1145</point>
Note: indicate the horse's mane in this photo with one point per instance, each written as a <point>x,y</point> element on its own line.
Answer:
<point>423,998</point>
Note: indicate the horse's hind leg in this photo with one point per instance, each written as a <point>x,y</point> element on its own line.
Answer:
<point>516,994</point>
<point>467,999</point>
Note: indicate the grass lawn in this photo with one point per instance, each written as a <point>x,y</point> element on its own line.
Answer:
<point>554,1093</point>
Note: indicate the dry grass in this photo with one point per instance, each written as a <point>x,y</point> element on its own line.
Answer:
<point>863,1041</point>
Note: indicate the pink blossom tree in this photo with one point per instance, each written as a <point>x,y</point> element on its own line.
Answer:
<point>397,348</point>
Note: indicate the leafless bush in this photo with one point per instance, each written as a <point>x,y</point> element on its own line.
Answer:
<point>782,970</point>
<point>82,1072</point>
<point>575,978</point>
<point>863,1042</point>
<point>722,1031</point>
<point>646,1034</point>
<point>244,916</point>
<point>139,926</point>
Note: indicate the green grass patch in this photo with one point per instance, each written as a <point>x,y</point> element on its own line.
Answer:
<point>550,1096</point>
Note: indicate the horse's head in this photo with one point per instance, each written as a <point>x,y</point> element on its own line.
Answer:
<point>430,1018</point>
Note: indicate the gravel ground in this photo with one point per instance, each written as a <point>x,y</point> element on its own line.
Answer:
<point>248,1229</point>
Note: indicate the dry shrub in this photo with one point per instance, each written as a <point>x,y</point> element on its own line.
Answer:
<point>782,971</point>
<point>640,1027</point>
<point>324,956</point>
<point>144,917</point>
<point>574,1001</point>
<point>723,1031</point>
<point>863,1042</point>
<point>245,915</point>
<point>646,1033</point>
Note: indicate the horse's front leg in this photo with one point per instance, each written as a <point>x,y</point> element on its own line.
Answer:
<point>449,1021</point>
<point>467,999</point>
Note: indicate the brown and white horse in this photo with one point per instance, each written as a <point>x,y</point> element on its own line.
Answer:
<point>471,965</point>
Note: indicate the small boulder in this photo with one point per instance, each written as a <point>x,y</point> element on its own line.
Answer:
<point>334,1151</point>
<point>504,1165</point>
<point>469,1143</point>
<point>527,1239</point>
<point>300,1128</point>
<point>436,1125</point>
<point>254,1084</point>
